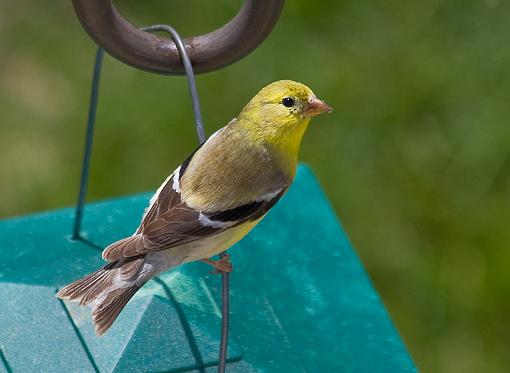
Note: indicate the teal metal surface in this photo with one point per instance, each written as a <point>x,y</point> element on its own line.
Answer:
<point>301,301</point>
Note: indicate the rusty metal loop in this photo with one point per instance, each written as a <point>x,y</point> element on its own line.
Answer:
<point>140,49</point>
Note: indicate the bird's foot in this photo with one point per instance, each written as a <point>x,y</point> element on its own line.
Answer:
<point>220,266</point>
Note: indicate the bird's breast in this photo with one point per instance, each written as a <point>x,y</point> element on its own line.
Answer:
<point>226,173</point>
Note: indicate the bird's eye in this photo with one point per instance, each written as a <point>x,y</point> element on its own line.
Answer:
<point>288,102</point>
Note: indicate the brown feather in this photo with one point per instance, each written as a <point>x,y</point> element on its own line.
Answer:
<point>165,200</point>
<point>104,316</point>
<point>181,225</point>
<point>80,287</point>
<point>115,250</point>
<point>100,290</point>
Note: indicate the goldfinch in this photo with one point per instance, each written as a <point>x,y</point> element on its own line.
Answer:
<point>211,201</point>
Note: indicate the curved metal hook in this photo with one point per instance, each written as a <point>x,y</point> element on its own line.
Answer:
<point>188,68</point>
<point>112,32</point>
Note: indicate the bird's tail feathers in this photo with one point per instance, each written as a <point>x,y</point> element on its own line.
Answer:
<point>107,290</point>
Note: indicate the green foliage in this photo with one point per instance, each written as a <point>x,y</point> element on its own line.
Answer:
<point>415,158</point>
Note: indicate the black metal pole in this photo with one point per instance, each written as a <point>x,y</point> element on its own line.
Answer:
<point>225,316</point>
<point>89,137</point>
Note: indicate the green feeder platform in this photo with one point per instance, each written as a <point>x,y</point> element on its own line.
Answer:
<point>300,299</point>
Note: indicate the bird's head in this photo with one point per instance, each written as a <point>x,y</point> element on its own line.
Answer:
<point>281,111</point>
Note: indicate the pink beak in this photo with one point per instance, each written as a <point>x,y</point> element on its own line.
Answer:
<point>316,107</point>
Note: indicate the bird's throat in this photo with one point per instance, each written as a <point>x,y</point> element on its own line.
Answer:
<point>285,149</point>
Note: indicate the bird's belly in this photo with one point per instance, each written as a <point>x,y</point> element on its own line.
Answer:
<point>210,246</point>
<point>200,249</point>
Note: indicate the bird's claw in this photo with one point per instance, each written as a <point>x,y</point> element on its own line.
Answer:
<point>222,265</point>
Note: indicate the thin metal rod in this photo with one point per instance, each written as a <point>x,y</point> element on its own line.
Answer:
<point>225,315</point>
<point>89,137</point>
<point>199,125</point>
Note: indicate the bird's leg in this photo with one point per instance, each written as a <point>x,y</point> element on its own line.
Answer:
<point>221,265</point>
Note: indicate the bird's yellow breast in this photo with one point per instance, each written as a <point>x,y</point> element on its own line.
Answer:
<point>213,245</point>
<point>231,171</point>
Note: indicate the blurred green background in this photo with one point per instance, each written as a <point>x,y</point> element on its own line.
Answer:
<point>415,158</point>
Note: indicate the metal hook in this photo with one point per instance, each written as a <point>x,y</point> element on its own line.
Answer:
<point>111,31</point>
<point>189,74</point>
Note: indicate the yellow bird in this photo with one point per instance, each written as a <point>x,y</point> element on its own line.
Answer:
<point>211,201</point>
